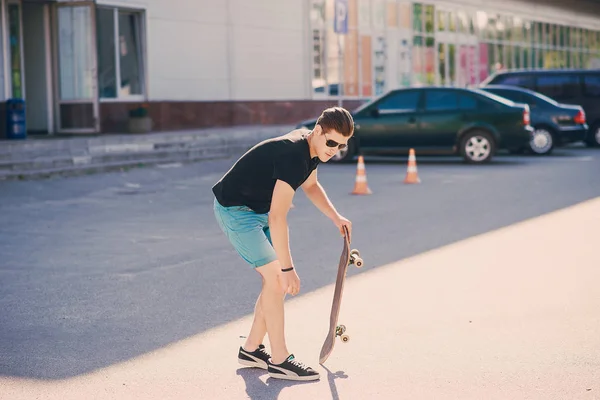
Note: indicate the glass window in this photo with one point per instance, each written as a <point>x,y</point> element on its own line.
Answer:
<point>14,32</point>
<point>451,21</point>
<point>442,63</point>
<point>405,15</point>
<point>378,10</point>
<point>417,21</point>
<point>462,22</point>
<point>107,65</point>
<point>466,102</point>
<point>507,94</point>
<point>517,29</point>
<point>516,80</point>
<point>400,101</point>
<point>584,38</point>
<point>527,28</point>
<point>429,19</point>
<point>319,78</point>
<point>436,100</point>
<point>558,86</point>
<point>442,20</point>
<point>482,24</point>
<point>317,13</point>
<point>120,63</point>
<point>74,61</point>
<point>575,33</point>
<point>507,21</point>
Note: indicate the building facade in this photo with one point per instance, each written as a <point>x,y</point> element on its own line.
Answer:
<point>92,66</point>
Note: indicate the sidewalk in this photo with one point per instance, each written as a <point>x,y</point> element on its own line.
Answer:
<point>39,157</point>
<point>510,314</point>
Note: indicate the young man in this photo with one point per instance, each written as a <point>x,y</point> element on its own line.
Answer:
<point>251,204</point>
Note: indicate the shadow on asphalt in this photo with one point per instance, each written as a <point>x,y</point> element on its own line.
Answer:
<point>331,377</point>
<point>270,389</point>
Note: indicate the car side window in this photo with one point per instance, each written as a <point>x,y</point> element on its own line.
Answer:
<point>518,97</point>
<point>558,86</point>
<point>439,100</point>
<point>466,102</point>
<point>524,81</point>
<point>591,85</point>
<point>399,102</point>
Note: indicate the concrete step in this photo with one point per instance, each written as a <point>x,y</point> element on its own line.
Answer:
<point>69,156</point>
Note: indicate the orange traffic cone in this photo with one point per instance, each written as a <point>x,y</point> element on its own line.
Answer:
<point>360,184</point>
<point>411,173</point>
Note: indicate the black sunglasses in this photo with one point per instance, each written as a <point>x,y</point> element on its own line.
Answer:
<point>333,143</point>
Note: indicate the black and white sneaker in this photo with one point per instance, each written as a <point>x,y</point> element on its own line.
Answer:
<point>292,369</point>
<point>257,358</point>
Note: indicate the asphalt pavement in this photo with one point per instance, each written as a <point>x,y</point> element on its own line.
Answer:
<point>99,274</point>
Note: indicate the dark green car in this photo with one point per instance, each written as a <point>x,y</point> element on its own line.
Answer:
<point>468,122</point>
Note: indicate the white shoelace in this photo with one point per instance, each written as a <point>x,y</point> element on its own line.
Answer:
<point>263,351</point>
<point>299,364</point>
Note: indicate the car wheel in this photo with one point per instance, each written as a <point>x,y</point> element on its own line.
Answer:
<point>477,147</point>
<point>347,154</point>
<point>593,139</point>
<point>542,141</point>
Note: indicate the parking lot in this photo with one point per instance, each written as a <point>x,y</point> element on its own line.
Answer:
<point>99,270</point>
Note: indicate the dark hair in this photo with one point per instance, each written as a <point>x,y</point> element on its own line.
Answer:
<point>337,118</point>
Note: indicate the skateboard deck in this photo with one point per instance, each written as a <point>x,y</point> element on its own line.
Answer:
<point>348,257</point>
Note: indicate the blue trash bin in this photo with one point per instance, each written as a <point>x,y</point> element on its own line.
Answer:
<point>15,119</point>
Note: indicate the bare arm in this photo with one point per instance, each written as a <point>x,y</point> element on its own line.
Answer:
<point>316,194</point>
<point>280,205</point>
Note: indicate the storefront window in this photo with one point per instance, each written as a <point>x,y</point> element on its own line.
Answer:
<point>442,20</point>
<point>417,21</point>
<point>429,19</point>
<point>120,62</point>
<point>434,44</point>
<point>14,32</point>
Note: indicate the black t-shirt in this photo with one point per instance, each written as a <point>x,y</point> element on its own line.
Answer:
<point>251,180</point>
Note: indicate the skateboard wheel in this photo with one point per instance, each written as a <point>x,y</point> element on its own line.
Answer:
<point>355,252</point>
<point>358,262</point>
<point>345,338</point>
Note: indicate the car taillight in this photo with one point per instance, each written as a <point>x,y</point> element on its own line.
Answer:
<point>526,117</point>
<point>580,118</point>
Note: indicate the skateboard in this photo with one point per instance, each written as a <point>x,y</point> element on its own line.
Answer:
<point>347,258</point>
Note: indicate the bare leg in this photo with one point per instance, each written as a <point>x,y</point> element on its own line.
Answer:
<point>270,307</point>
<point>259,327</point>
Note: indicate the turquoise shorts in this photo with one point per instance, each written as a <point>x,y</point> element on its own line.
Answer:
<point>248,232</point>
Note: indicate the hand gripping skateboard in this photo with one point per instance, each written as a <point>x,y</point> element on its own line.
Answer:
<point>348,257</point>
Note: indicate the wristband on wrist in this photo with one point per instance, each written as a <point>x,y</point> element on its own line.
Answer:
<point>287,269</point>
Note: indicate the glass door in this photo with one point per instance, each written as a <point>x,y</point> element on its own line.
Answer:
<point>76,67</point>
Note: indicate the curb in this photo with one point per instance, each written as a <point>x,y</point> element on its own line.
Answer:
<point>44,158</point>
